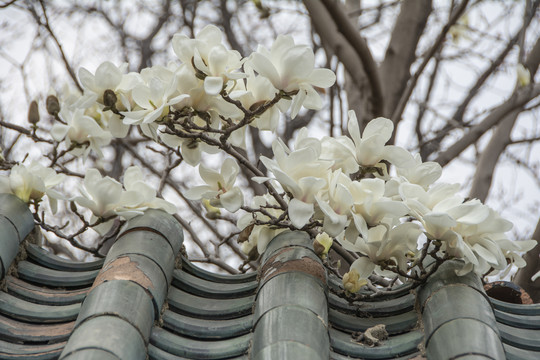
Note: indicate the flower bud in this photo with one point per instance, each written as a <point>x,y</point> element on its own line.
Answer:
<point>212,212</point>
<point>33,113</point>
<point>109,99</point>
<point>322,244</point>
<point>523,75</point>
<point>352,282</point>
<point>73,206</point>
<point>53,106</point>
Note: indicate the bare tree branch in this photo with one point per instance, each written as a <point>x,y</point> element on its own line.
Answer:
<point>401,51</point>
<point>518,99</point>
<point>398,111</point>
<point>353,37</point>
<point>47,27</point>
<point>501,138</point>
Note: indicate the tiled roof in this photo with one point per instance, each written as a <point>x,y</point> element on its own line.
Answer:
<point>123,307</point>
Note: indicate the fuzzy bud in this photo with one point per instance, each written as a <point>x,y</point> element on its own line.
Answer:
<point>109,99</point>
<point>53,106</point>
<point>73,206</point>
<point>33,113</point>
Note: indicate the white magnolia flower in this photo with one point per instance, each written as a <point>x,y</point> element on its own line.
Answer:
<point>369,148</point>
<point>107,77</point>
<point>101,195</point>
<point>337,203</point>
<point>32,182</point>
<point>207,55</point>
<point>82,132</point>
<point>370,203</point>
<point>384,247</point>
<point>255,93</point>
<point>153,96</point>
<point>421,173</point>
<point>338,150</point>
<point>219,188</point>
<point>106,197</point>
<point>300,173</point>
<point>108,120</point>
<point>140,196</point>
<point>291,67</point>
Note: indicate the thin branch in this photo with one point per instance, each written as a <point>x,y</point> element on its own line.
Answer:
<point>47,26</point>
<point>517,100</point>
<point>398,111</point>
<point>346,28</point>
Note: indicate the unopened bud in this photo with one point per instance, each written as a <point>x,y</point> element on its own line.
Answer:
<point>523,75</point>
<point>53,106</point>
<point>212,212</point>
<point>109,98</point>
<point>352,282</point>
<point>33,113</point>
<point>73,206</point>
<point>322,244</point>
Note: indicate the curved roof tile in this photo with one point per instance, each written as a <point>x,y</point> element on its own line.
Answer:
<point>288,310</point>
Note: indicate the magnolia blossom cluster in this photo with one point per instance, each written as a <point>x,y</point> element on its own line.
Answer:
<point>208,89</point>
<point>342,187</point>
<point>105,197</point>
<point>192,89</point>
<point>336,188</point>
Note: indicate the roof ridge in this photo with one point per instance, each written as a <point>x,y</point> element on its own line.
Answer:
<point>127,295</point>
<point>286,325</point>
<point>16,222</point>
<point>454,305</point>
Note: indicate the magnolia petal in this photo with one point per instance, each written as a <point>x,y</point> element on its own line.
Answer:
<point>485,253</point>
<point>399,156</point>
<point>264,67</point>
<point>297,102</point>
<point>353,128</point>
<point>229,171</point>
<point>165,205</point>
<point>299,213</point>
<point>232,200</point>
<point>380,127</point>
<point>467,268</point>
<point>364,266</point>
<point>265,235</point>
<point>361,225</point>
<point>213,85</point>
<point>334,225</point>
<point>297,62</point>
<point>323,78</point>
<point>198,192</point>
<point>59,131</point>
<point>210,34</point>
<point>86,78</point>
<point>470,213</point>
<point>191,156</point>
<point>141,94</point>
<point>438,223</point>
<point>108,76</point>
